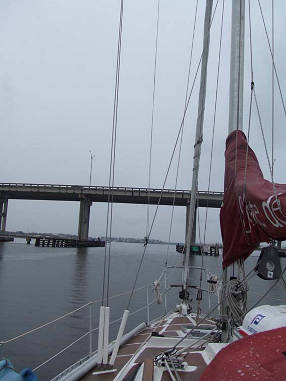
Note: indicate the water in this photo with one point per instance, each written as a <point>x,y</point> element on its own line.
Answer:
<point>39,284</point>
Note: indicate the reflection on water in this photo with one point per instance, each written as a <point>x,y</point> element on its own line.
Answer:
<point>40,284</point>
<point>2,248</point>
<point>79,280</point>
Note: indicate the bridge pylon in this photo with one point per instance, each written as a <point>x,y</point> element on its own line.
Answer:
<point>83,221</point>
<point>3,214</point>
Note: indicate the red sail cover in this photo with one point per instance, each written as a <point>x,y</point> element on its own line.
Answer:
<point>254,209</point>
<point>257,357</point>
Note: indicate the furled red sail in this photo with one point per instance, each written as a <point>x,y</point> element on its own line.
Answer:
<point>254,209</point>
<point>256,357</point>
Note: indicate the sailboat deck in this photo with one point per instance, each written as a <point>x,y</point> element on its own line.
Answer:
<point>153,340</point>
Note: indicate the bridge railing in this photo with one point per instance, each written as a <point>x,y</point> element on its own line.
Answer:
<point>102,188</point>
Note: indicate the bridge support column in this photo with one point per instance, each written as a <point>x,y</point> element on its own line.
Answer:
<point>3,214</point>
<point>83,221</point>
<point>187,223</point>
<point>193,236</point>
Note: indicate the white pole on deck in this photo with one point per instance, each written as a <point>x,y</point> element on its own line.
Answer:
<point>100,334</point>
<point>106,335</point>
<point>119,337</point>
<point>199,137</point>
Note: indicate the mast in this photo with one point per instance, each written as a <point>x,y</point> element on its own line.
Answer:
<point>236,66</point>
<point>199,138</point>
<point>235,103</point>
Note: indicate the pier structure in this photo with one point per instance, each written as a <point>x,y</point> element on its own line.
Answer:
<point>86,195</point>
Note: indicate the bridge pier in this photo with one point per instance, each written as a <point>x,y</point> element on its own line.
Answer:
<point>83,221</point>
<point>193,236</point>
<point>3,214</point>
<point>194,231</point>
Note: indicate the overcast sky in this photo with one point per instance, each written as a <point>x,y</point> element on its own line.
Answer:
<point>57,73</point>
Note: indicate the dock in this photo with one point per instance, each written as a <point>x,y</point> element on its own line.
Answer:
<point>67,242</point>
<point>212,250</point>
<point>6,239</point>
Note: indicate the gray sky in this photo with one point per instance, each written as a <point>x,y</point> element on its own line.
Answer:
<point>57,71</point>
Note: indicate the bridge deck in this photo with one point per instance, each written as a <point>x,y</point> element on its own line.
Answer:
<point>57,192</point>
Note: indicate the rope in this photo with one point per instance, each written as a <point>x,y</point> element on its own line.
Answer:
<point>168,170</point>
<point>227,296</point>
<point>112,164</point>
<point>209,313</point>
<point>152,115</point>
<point>234,289</point>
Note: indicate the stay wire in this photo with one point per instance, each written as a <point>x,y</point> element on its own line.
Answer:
<point>152,115</point>
<point>182,133</point>
<point>250,106</point>
<point>264,140</point>
<point>210,312</point>
<point>272,56</point>
<point>168,169</point>
<point>114,147</point>
<point>238,88</point>
<point>267,292</point>
<point>106,275</point>
<point>250,41</point>
<point>212,148</point>
<point>252,85</point>
<point>214,118</point>
<point>273,95</point>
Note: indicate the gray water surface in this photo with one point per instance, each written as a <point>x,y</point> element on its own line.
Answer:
<point>39,284</point>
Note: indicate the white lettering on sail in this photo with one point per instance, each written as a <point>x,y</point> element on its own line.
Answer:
<point>273,212</point>
<point>250,213</point>
<point>271,209</point>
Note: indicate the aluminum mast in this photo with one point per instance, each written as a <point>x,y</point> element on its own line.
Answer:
<point>235,98</point>
<point>236,66</point>
<point>199,138</point>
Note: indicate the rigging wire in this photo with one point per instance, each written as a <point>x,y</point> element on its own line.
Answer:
<point>273,105</point>
<point>250,274</point>
<point>109,217</point>
<point>215,112</point>
<point>263,136</point>
<point>211,154</point>
<point>169,166</point>
<point>267,292</point>
<point>152,117</point>
<point>250,111</point>
<point>238,116</point>
<point>272,56</point>
<point>182,133</point>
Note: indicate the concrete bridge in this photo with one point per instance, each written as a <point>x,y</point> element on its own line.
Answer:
<point>86,195</point>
